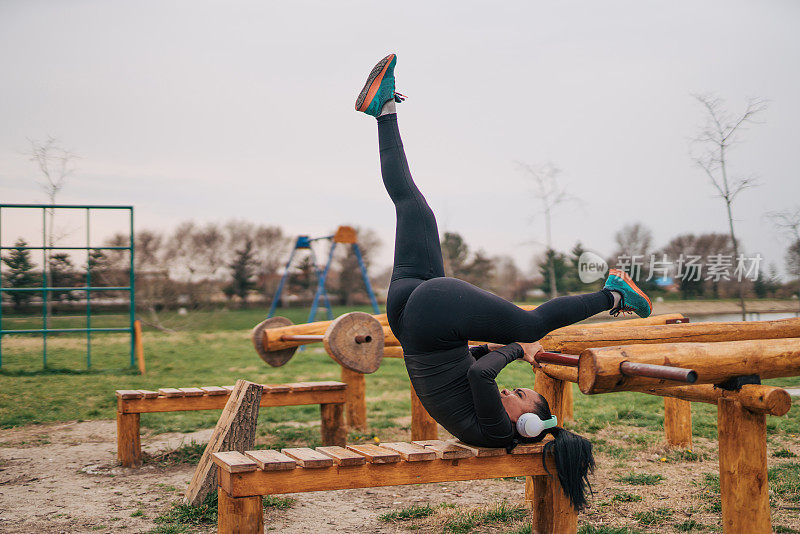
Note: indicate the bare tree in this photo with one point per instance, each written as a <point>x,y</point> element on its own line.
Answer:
<point>271,246</point>
<point>55,165</point>
<point>552,194</point>
<point>788,222</point>
<point>715,139</point>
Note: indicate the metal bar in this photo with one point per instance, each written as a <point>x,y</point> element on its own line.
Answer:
<point>132,285</point>
<point>557,358</point>
<point>299,337</point>
<point>65,330</point>
<point>361,338</point>
<point>78,288</point>
<point>662,372</point>
<point>88,293</point>
<point>54,247</point>
<point>321,287</point>
<point>44,289</point>
<point>278,291</point>
<point>68,206</point>
<point>365,276</point>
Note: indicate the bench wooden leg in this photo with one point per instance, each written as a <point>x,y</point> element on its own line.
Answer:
<point>423,426</point>
<point>743,469</point>
<point>678,422</point>
<point>239,515</point>
<point>356,399</point>
<point>551,509</point>
<point>334,431</point>
<point>129,446</point>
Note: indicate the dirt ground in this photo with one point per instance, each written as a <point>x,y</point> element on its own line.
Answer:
<point>64,478</point>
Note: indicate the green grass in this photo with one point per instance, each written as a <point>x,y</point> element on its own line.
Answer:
<point>467,521</point>
<point>590,529</point>
<point>624,496</point>
<point>690,525</point>
<point>406,514</point>
<point>187,453</point>
<point>640,479</point>
<point>657,516</point>
<point>784,481</point>
<point>784,453</point>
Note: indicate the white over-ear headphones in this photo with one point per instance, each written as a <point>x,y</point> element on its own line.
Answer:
<point>529,425</point>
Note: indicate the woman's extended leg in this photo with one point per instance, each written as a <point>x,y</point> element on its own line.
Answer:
<point>417,253</point>
<point>448,312</point>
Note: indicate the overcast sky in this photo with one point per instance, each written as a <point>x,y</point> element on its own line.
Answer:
<point>217,110</point>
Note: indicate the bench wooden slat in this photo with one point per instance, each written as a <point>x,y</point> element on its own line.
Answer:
<point>192,392</point>
<point>171,392</point>
<point>528,448</point>
<point>276,388</point>
<point>308,458</point>
<point>302,386</point>
<point>234,462</point>
<point>269,460</point>
<point>128,394</point>
<point>482,452</point>
<point>214,390</point>
<point>375,454</point>
<point>327,385</point>
<point>148,394</point>
<point>342,456</point>
<point>411,452</point>
<point>228,388</point>
<point>446,450</point>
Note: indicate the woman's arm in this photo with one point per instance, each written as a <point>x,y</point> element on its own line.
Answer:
<point>492,417</point>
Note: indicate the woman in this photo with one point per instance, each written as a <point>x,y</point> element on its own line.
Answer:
<point>434,317</point>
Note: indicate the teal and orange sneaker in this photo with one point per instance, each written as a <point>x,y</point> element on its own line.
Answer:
<point>379,88</point>
<point>633,299</point>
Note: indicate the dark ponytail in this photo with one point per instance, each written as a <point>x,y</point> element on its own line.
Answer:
<point>573,457</point>
<point>574,462</point>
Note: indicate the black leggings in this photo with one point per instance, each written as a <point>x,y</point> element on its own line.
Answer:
<point>430,313</point>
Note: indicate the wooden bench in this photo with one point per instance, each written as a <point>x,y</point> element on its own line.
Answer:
<point>130,403</point>
<point>244,478</point>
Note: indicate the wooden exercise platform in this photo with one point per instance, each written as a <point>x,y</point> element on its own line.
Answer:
<point>130,403</point>
<point>245,477</point>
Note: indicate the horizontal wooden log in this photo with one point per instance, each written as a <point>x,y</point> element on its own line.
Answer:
<point>554,340</point>
<point>577,339</point>
<point>370,475</point>
<point>755,397</point>
<point>217,402</point>
<point>599,370</point>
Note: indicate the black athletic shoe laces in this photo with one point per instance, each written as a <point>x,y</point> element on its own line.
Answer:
<point>621,308</point>
<point>399,97</point>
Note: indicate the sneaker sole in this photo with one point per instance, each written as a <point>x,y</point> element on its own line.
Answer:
<point>373,83</point>
<point>627,279</point>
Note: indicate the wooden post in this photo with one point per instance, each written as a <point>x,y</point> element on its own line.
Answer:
<point>356,399</point>
<point>678,422</point>
<point>333,429</point>
<point>743,469</point>
<point>235,431</point>
<point>423,426</point>
<point>568,401</point>
<point>552,511</point>
<point>239,515</point>
<point>137,345</point>
<point>129,446</point>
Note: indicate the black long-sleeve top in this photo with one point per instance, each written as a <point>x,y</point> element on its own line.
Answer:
<point>457,387</point>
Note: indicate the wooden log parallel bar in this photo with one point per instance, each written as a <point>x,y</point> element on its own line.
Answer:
<point>755,397</point>
<point>331,397</point>
<point>662,372</point>
<point>245,477</point>
<point>599,369</point>
<point>577,339</point>
<point>554,340</point>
